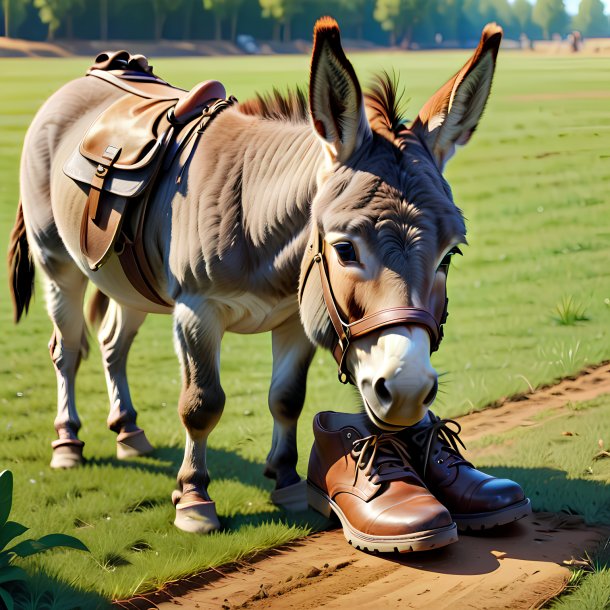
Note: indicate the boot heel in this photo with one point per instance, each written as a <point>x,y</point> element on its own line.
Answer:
<point>317,501</point>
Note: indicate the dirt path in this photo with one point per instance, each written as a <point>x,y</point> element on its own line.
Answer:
<point>518,566</point>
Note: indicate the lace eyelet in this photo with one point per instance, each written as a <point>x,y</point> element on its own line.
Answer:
<point>349,435</point>
<point>440,461</point>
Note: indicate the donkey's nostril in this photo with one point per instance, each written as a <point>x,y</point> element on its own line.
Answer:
<point>382,392</point>
<point>432,393</point>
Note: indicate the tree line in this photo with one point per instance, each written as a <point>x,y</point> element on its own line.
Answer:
<point>395,22</point>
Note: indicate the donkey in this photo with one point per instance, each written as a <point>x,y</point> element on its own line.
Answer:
<point>276,187</point>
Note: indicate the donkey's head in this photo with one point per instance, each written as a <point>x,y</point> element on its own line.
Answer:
<point>384,225</point>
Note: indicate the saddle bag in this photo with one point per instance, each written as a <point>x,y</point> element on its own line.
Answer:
<point>118,159</point>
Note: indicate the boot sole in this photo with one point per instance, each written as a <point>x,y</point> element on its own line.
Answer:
<point>407,543</point>
<point>484,521</point>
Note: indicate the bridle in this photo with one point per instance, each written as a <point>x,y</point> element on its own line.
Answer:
<point>384,318</point>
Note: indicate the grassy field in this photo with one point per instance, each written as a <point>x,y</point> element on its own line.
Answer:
<point>535,187</point>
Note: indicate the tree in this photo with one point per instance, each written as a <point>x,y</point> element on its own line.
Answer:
<point>522,11</point>
<point>354,13</point>
<point>591,20</point>
<point>551,16</point>
<point>14,15</point>
<point>222,10</point>
<point>53,12</point>
<point>162,9</point>
<point>402,17</point>
<point>103,19</point>
<point>282,12</point>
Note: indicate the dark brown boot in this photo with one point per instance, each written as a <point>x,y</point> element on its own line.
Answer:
<point>475,499</point>
<point>363,475</point>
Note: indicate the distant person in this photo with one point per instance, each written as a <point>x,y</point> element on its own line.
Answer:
<point>576,41</point>
<point>525,42</point>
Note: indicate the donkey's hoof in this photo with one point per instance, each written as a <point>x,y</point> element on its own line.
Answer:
<point>132,444</point>
<point>67,453</point>
<point>292,498</point>
<point>197,517</point>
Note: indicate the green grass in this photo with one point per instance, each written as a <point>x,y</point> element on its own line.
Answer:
<point>534,185</point>
<point>569,312</point>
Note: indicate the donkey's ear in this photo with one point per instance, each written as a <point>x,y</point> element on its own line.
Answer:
<point>451,115</point>
<point>335,97</point>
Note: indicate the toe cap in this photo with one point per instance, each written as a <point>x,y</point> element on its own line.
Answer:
<point>496,494</point>
<point>417,514</point>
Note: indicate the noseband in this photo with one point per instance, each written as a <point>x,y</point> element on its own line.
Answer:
<point>384,318</point>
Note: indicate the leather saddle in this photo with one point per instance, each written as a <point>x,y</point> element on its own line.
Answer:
<point>123,151</point>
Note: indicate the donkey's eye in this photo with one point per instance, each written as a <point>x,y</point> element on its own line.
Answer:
<point>346,251</point>
<point>447,258</point>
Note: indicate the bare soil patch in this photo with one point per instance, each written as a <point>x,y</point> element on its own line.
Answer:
<point>521,565</point>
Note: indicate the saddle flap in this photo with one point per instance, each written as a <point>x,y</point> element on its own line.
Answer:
<point>135,127</point>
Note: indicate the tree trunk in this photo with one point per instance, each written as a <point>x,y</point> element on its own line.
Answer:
<point>287,31</point>
<point>406,41</point>
<point>234,25</point>
<point>360,31</point>
<point>217,27</point>
<point>393,38</point>
<point>276,31</point>
<point>103,19</point>
<point>69,27</point>
<point>7,18</point>
<point>51,33</point>
<point>159,23</point>
<point>186,23</point>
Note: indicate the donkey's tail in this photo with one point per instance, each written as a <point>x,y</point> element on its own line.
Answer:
<point>20,267</point>
<point>97,308</point>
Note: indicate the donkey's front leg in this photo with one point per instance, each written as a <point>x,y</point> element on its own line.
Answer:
<point>292,355</point>
<point>198,332</point>
<point>116,334</point>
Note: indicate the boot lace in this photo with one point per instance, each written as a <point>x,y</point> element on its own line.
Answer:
<point>449,440</point>
<point>381,457</point>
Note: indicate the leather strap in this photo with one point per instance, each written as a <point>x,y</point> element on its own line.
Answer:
<point>133,258</point>
<point>110,156</point>
<point>396,316</point>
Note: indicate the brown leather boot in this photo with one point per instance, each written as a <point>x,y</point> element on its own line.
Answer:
<point>363,475</point>
<point>476,500</point>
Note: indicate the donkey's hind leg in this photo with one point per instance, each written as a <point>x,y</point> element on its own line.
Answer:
<point>65,289</point>
<point>292,355</point>
<point>116,333</point>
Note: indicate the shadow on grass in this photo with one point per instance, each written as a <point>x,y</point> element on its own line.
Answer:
<point>43,592</point>
<point>550,490</point>
<point>225,465</point>
<point>222,464</point>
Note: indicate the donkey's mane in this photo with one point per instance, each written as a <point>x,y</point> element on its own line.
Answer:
<point>292,105</point>
<point>384,100</point>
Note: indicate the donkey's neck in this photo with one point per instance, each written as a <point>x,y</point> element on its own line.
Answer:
<point>281,161</point>
<point>254,180</point>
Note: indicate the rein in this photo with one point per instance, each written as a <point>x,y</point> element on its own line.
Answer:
<point>384,318</point>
